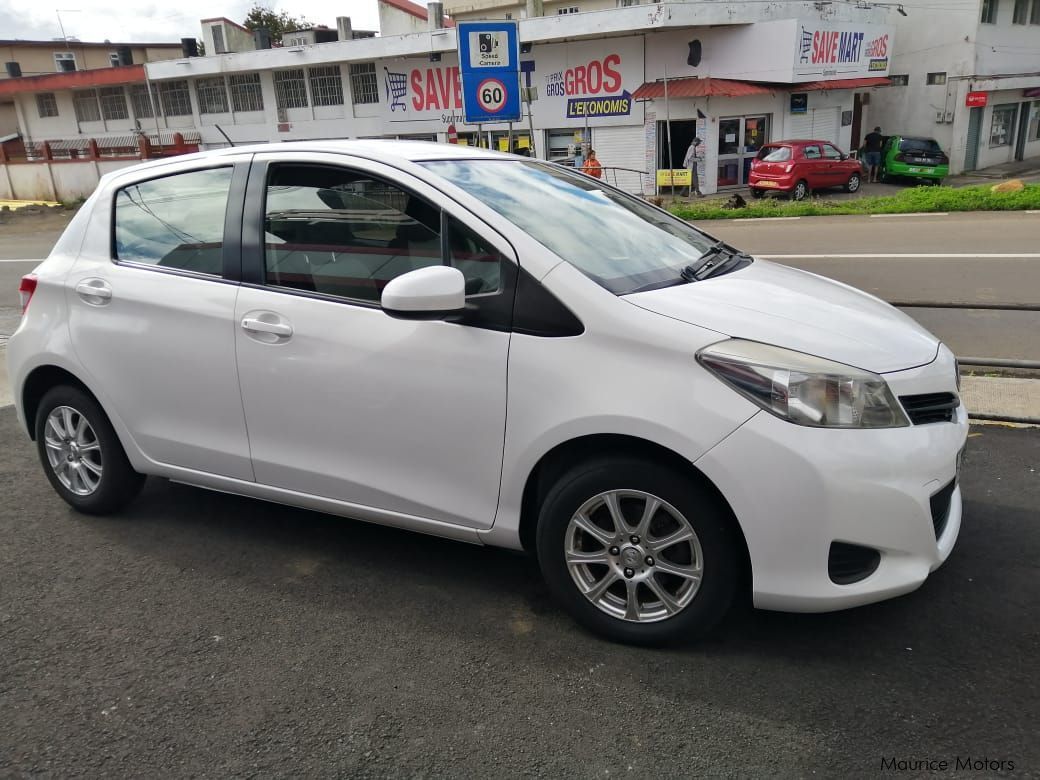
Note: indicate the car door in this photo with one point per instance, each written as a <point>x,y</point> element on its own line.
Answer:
<point>342,400</point>
<point>834,166</point>
<point>151,311</point>
<point>814,166</point>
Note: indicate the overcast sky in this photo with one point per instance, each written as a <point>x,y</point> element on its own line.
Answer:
<point>145,20</point>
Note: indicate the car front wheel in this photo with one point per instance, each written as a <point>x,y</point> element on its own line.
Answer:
<point>81,454</point>
<point>637,552</point>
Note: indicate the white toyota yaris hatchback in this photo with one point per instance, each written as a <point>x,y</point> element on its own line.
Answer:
<point>500,351</point>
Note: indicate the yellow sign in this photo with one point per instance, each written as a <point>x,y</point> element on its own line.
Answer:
<point>678,177</point>
<point>524,142</point>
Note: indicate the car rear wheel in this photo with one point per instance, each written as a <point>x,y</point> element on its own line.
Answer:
<point>81,454</point>
<point>852,185</point>
<point>800,191</point>
<point>637,552</point>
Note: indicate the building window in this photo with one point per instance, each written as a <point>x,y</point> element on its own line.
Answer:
<point>989,11</point>
<point>899,81</point>
<point>297,42</point>
<point>1001,129</point>
<point>113,103</point>
<point>1034,122</point>
<point>175,98</point>
<point>936,78</point>
<point>326,85</point>
<point>363,87</point>
<point>571,9</point>
<point>113,59</point>
<point>290,88</point>
<point>1034,16</point>
<point>86,105</point>
<point>627,3</point>
<point>46,105</point>
<point>1021,15</point>
<point>64,61</point>
<point>218,40</point>
<point>212,95</point>
<point>246,94</point>
<point>141,101</point>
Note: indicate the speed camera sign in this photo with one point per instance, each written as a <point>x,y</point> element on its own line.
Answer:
<point>489,58</point>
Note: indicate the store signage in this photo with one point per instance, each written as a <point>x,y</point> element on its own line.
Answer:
<point>839,50</point>
<point>592,88</point>
<point>489,59</point>
<point>800,103</point>
<point>976,99</point>
<point>620,105</point>
<point>1032,92</point>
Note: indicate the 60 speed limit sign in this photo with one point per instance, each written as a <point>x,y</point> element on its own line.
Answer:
<point>491,95</point>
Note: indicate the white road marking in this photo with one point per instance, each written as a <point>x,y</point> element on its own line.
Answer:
<point>916,214</point>
<point>5,260</point>
<point>907,256</point>
<point>1032,211</point>
<point>764,219</point>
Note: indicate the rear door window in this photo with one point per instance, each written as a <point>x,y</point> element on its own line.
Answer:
<point>175,222</point>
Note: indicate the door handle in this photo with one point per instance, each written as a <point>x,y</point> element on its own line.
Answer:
<point>96,292</point>
<point>254,325</point>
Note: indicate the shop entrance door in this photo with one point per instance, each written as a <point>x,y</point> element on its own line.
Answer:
<point>740,138</point>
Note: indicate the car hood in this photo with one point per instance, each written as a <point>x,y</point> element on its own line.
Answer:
<point>798,310</point>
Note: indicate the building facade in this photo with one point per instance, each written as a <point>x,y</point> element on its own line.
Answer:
<point>967,75</point>
<point>737,76</point>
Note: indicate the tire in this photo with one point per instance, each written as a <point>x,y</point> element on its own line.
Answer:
<point>756,193</point>
<point>801,190</point>
<point>81,454</point>
<point>853,184</point>
<point>696,604</point>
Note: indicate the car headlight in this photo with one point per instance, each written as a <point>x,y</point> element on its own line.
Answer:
<point>804,389</point>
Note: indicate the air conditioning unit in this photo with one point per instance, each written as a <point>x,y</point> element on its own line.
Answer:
<point>940,117</point>
<point>949,117</point>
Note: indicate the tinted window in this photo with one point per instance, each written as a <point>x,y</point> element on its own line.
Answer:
<point>831,153</point>
<point>919,145</point>
<point>775,154</point>
<point>617,240</point>
<point>811,152</point>
<point>344,233</point>
<point>174,222</point>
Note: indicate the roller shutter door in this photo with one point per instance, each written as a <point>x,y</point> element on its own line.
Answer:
<point>622,147</point>
<point>817,124</point>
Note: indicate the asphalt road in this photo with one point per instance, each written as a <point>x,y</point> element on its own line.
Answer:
<point>856,250</point>
<point>201,634</point>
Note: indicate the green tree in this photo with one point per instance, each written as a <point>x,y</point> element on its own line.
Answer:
<point>277,22</point>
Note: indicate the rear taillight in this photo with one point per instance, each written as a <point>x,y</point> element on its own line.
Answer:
<point>789,167</point>
<point>26,290</point>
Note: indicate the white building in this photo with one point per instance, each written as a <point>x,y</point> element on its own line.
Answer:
<point>732,72</point>
<point>968,75</point>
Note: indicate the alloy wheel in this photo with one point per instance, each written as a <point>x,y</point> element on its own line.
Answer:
<point>73,450</point>
<point>634,556</point>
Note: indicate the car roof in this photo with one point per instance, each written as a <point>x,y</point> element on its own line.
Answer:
<point>372,148</point>
<point>798,142</point>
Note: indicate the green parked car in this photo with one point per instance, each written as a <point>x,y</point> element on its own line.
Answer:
<point>914,158</point>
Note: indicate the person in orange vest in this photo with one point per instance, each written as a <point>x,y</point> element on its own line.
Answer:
<point>591,166</point>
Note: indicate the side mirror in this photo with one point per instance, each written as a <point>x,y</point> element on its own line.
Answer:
<point>430,293</point>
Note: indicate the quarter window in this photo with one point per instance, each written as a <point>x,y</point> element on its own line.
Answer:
<point>363,87</point>
<point>1001,127</point>
<point>46,105</point>
<point>175,222</point>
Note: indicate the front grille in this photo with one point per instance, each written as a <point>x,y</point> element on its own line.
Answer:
<point>849,563</point>
<point>940,503</point>
<point>930,407</point>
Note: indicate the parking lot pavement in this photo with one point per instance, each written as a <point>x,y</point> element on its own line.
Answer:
<point>205,634</point>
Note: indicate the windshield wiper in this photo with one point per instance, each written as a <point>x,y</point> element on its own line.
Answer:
<point>710,263</point>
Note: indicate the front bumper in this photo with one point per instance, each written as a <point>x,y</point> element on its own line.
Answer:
<point>795,490</point>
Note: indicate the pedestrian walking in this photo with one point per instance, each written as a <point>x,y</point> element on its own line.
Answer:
<point>591,166</point>
<point>690,162</point>
<point>872,153</point>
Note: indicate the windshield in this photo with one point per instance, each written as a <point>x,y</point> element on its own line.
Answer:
<point>775,154</point>
<point>615,239</point>
<point>919,145</point>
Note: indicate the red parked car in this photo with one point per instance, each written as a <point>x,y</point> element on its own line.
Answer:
<point>799,167</point>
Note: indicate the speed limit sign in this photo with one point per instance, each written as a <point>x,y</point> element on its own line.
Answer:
<point>491,95</point>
